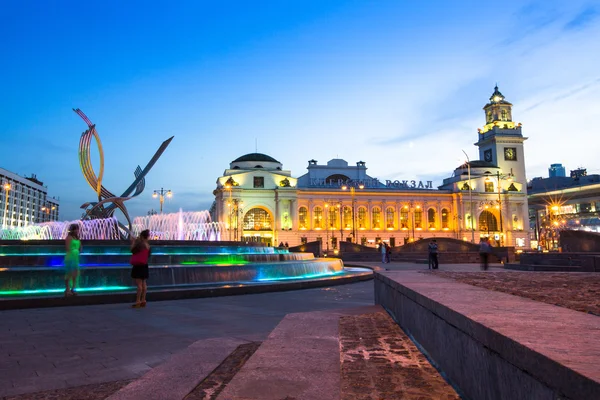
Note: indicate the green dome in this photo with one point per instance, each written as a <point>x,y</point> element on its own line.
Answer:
<point>256,157</point>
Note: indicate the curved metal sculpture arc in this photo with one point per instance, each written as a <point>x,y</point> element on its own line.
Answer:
<point>99,209</point>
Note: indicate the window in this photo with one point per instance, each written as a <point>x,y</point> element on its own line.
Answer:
<point>489,187</point>
<point>445,216</point>
<point>404,218</point>
<point>318,218</point>
<point>504,115</point>
<point>431,218</point>
<point>376,218</point>
<point>334,218</point>
<point>390,216</point>
<point>487,221</point>
<point>418,219</point>
<point>362,218</point>
<point>257,219</point>
<point>259,182</point>
<point>347,218</point>
<point>302,217</point>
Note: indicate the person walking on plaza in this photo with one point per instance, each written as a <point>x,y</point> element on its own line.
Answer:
<point>382,250</point>
<point>73,249</point>
<point>388,253</point>
<point>140,250</point>
<point>433,254</point>
<point>485,248</point>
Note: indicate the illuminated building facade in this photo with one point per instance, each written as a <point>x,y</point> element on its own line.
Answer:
<point>563,203</point>
<point>260,201</point>
<point>24,201</point>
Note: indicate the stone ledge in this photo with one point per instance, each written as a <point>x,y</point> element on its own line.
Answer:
<point>494,345</point>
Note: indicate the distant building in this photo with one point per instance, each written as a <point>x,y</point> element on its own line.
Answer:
<point>578,173</point>
<point>556,170</point>
<point>563,203</point>
<point>25,201</point>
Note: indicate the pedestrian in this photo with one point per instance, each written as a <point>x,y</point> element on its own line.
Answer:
<point>281,245</point>
<point>383,252</point>
<point>485,248</point>
<point>73,249</point>
<point>388,253</point>
<point>433,254</point>
<point>287,246</point>
<point>140,250</point>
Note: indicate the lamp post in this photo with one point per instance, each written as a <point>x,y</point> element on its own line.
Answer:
<point>470,197</point>
<point>352,191</point>
<point>161,195</point>
<point>327,225</point>
<point>235,212</point>
<point>6,187</point>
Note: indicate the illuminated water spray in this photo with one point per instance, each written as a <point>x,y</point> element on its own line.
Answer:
<point>190,225</point>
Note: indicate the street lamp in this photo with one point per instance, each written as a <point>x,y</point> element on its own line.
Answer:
<point>7,190</point>
<point>470,197</point>
<point>352,190</point>
<point>161,195</point>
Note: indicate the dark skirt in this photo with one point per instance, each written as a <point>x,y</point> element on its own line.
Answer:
<point>140,271</point>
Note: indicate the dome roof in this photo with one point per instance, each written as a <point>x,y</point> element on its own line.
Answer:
<point>255,157</point>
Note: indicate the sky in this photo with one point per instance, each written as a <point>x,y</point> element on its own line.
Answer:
<point>397,84</point>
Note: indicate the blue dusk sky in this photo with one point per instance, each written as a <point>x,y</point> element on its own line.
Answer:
<point>397,84</point>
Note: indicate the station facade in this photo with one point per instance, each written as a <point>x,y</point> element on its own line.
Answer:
<point>258,200</point>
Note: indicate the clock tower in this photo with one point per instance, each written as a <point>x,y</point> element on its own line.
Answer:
<point>501,141</point>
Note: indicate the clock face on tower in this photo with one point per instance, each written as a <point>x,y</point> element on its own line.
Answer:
<point>510,154</point>
<point>487,155</point>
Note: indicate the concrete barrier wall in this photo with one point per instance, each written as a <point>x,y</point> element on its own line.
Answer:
<point>492,345</point>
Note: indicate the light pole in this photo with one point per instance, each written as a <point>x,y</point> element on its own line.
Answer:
<point>327,225</point>
<point>6,187</point>
<point>235,211</point>
<point>352,190</point>
<point>470,197</point>
<point>161,195</point>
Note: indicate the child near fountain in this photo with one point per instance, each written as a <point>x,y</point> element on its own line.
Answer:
<point>140,249</point>
<point>73,248</point>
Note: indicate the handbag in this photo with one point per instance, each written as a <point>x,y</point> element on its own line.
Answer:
<point>139,258</point>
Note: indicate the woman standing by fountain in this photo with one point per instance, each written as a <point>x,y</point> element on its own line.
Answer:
<point>139,263</point>
<point>73,248</point>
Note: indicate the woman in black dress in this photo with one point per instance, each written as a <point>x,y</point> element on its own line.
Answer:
<point>140,250</point>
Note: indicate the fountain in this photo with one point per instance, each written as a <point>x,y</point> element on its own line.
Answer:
<point>186,252</point>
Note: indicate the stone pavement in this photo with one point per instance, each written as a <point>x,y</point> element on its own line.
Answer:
<point>55,348</point>
<point>63,347</point>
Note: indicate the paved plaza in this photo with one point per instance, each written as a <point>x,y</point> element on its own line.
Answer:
<point>54,348</point>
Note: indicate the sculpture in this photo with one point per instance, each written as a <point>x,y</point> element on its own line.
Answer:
<point>107,202</point>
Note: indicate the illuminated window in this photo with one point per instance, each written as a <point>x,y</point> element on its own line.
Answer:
<point>489,187</point>
<point>347,218</point>
<point>376,218</point>
<point>403,219</point>
<point>445,216</point>
<point>431,218</point>
<point>302,217</point>
<point>487,222</point>
<point>257,219</point>
<point>418,218</point>
<point>334,219</point>
<point>318,218</point>
<point>504,115</point>
<point>259,182</point>
<point>390,216</point>
<point>362,218</point>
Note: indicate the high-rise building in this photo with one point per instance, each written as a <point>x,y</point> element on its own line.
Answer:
<point>25,201</point>
<point>556,170</point>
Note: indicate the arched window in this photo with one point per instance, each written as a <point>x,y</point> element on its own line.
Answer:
<point>334,218</point>
<point>431,218</point>
<point>257,219</point>
<point>445,217</point>
<point>390,216</point>
<point>318,218</point>
<point>418,218</point>
<point>303,217</point>
<point>487,222</point>
<point>347,218</point>
<point>376,218</point>
<point>362,218</point>
<point>404,218</point>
